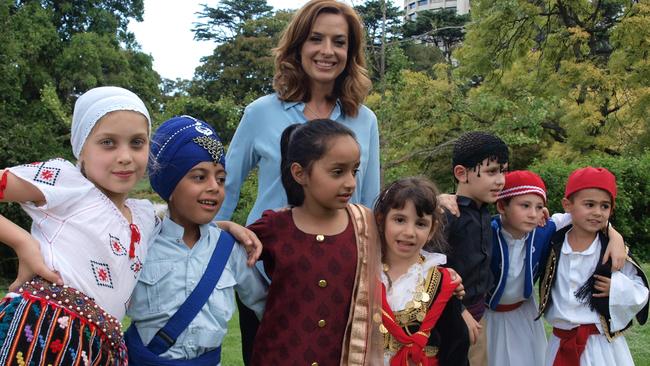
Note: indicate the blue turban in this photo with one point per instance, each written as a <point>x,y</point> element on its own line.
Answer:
<point>177,146</point>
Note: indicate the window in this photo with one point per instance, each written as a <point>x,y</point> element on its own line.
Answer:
<point>412,5</point>
<point>422,2</point>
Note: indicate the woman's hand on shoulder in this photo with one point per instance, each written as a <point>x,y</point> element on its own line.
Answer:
<point>448,201</point>
<point>245,237</point>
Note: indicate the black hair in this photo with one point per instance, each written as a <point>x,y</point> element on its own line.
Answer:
<point>424,195</point>
<point>303,144</point>
<point>471,148</point>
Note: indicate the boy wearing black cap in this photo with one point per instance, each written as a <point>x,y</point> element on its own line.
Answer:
<point>588,305</point>
<point>479,162</point>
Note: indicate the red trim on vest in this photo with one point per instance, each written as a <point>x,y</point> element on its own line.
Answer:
<point>508,307</point>
<point>413,346</point>
<point>572,344</point>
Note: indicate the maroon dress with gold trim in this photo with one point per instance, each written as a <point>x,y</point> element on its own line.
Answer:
<point>309,298</point>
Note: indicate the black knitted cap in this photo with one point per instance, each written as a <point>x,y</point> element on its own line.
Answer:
<point>472,148</point>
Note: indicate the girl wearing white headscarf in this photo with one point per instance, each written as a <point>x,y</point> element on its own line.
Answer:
<point>86,234</point>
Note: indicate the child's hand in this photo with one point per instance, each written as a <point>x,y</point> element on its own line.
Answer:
<point>448,201</point>
<point>472,325</point>
<point>545,215</point>
<point>602,284</point>
<point>616,250</point>
<point>459,292</point>
<point>245,237</point>
<point>30,264</point>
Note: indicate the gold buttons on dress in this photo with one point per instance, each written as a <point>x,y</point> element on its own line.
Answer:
<point>321,323</point>
<point>314,364</point>
<point>320,238</point>
<point>322,283</point>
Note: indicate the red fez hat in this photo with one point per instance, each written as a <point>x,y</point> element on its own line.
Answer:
<point>520,182</point>
<point>590,177</point>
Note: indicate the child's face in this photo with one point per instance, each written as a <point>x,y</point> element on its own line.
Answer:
<point>406,233</point>
<point>522,214</point>
<point>589,208</point>
<point>482,184</point>
<point>199,195</point>
<point>331,180</point>
<point>114,156</point>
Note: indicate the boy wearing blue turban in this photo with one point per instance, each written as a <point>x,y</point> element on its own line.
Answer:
<point>184,298</point>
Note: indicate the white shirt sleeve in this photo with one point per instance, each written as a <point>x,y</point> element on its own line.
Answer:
<point>627,296</point>
<point>561,220</point>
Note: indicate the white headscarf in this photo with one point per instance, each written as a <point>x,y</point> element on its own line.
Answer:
<point>95,104</point>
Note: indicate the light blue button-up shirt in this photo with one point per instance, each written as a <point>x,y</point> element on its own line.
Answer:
<point>172,270</point>
<point>256,143</point>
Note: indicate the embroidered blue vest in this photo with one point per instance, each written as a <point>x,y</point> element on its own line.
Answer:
<point>538,245</point>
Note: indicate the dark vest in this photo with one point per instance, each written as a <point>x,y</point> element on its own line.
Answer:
<point>600,305</point>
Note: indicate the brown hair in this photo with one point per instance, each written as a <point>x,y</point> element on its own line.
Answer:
<point>424,195</point>
<point>290,80</point>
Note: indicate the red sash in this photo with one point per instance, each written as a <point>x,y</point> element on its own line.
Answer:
<point>508,307</point>
<point>572,344</point>
<point>413,346</point>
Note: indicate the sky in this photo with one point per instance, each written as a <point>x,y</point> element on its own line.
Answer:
<point>166,34</point>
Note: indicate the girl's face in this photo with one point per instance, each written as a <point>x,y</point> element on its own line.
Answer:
<point>522,214</point>
<point>199,195</point>
<point>331,180</point>
<point>406,233</point>
<point>324,54</point>
<point>114,156</point>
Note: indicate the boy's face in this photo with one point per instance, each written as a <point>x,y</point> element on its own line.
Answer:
<point>199,195</point>
<point>483,183</point>
<point>589,208</point>
<point>521,215</point>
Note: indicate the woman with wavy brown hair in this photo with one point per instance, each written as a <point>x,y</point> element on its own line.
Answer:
<point>320,72</point>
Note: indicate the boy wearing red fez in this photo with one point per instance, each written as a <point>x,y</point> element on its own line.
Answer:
<point>588,305</point>
<point>513,335</point>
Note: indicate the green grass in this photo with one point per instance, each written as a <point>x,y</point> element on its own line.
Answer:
<point>638,338</point>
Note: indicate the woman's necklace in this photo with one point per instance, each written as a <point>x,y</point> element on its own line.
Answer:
<point>317,115</point>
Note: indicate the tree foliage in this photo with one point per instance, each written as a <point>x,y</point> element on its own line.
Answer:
<point>242,67</point>
<point>226,21</point>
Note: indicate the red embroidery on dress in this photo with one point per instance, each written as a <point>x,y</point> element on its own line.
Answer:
<point>3,184</point>
<point>47,175</point>
<point>102,274</point>
<point>116,246</point>
<point>136,267</point>
<point>56,346</point>
<point>135,239</point>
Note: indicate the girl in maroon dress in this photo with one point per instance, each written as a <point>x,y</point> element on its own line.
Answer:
<point>321,255</point>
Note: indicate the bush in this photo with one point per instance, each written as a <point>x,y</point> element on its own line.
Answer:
<point>631,214</point>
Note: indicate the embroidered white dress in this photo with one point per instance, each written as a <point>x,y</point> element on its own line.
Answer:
<point>627,296</point>
<point>514,338</point>
<point>403,289</point>
<point>84,236</point>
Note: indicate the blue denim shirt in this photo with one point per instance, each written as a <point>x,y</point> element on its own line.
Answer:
<point>256,143</point>
<point>170,273</point>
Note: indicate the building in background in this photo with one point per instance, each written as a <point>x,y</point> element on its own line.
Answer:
<point>412,7</point>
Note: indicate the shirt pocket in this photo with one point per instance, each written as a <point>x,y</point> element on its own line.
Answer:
<point>222,300</point>
<point>156,282</point>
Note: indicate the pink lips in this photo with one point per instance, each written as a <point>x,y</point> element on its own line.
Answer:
<point>124,174</point>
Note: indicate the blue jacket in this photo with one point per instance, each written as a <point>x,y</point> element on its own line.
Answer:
<point>538,244</point>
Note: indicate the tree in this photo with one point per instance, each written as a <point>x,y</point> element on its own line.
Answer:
<point>577,71</point>
<point>225,22</point>
<point>242,67</point>
<point>442,28</point>
<point>372,15</point>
